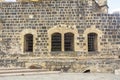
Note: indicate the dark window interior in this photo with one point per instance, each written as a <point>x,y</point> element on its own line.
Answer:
<point>56,42</point>
<point>69,42</point>
<point>92,42</point>
<point>28,43</point>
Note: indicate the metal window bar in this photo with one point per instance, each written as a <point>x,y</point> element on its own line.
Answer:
<point>56,42</point>
<point>28,43</point>
<point>69,42</point>
<point>92,42</point>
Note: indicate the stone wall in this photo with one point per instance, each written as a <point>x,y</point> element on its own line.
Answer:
<point>37,18</point>
<point>76,64</point>
<point>42,19</point>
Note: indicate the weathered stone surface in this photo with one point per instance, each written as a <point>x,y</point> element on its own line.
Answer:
<point>117,72</point>
<point>89,37</point>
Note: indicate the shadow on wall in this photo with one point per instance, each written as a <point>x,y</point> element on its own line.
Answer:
<point>87,71</point>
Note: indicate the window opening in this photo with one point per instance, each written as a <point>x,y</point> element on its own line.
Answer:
<point>69,42</point>
<point>28,43</point>
<point>92,42</point>
<point>56,42</point>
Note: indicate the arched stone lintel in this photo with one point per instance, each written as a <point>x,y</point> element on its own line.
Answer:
<point>92,29</point>
<point>63,29</point>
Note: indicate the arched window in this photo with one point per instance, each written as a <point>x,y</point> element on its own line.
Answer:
<point>69,42</point>
<point>92,42</point>
<point>56,42</point>
<point>28,43</point>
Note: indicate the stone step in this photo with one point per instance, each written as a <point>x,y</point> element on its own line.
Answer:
<point>29,73</point>
<point>11,68</point>
<point>21,70</point>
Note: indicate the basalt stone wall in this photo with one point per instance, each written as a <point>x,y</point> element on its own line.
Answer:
<point>37,18</point>
<point>75,65</point>
<point>11,63</point>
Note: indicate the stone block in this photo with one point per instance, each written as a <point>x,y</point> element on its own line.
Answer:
<point>117,72</point>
